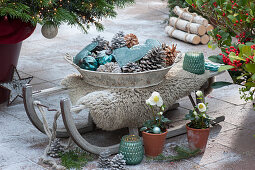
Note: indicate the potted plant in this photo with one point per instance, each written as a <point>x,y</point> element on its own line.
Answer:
<point>198,127</point>
<point>235,36</point>
<point>19,18</point>
<point>154,131</point>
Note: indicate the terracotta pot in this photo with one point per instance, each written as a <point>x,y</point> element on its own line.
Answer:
<point>197,138</point>
<point>9,54</point>
<point>153,143</point>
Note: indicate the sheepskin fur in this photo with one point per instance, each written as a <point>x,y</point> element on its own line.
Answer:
<point>113,109</point>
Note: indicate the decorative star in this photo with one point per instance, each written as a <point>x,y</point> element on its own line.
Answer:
<point>15,85</point>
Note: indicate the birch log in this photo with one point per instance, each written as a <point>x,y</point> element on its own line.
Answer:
<point>184,14</point>
<point>205,39</point>
<point>185,26</point>
<point>209,28</point>
<point>184,36</point>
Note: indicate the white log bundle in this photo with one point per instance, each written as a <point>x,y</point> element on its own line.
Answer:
<point>205,39</point>
<point>184,36</point>
<point>184,14</point>
<point>209,28</point>
<point>186,26</point>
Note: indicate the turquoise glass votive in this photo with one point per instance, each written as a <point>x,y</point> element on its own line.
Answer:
<point>131,148</point>
<point>194,62</point>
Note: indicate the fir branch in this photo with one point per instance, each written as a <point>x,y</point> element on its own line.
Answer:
<point>182,153</point>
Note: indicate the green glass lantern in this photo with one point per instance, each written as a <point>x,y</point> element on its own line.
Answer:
<point>132,148</point>
<point>194,62</point>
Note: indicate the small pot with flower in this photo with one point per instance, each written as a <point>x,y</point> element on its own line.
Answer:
<point>154,131</point>
<point>198,127</point>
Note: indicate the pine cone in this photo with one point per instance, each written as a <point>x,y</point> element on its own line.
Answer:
<point>153,60</point>
<point>55,149</point>
<point>131,68</point>
<point>102,44</point>
<point>118,162</point>
<point>103,160</point>
<point>171,54</point>
<point>118,40</point>
<point>131,40</point>
<point>110,67</point>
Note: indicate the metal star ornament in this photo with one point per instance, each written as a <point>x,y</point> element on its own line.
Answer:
<point>15,85</point>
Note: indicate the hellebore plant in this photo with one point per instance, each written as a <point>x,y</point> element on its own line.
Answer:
<point>159,122</point>
<point>198,117</point>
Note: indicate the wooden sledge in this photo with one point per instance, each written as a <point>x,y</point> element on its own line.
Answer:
<point>74,131</point>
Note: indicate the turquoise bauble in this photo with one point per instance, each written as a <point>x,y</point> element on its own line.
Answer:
<point>89,63</point>
<point>156,130</point>
<point>84,52</point>
<point>104,59</point>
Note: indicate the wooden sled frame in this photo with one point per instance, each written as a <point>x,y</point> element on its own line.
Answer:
<point>74,131</point>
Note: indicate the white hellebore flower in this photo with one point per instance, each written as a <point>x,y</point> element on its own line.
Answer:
<point>147,101</point>
<point>201,107</point>
<point>155,99</point>
<point>204,115</point>
<point>160,113</point>
<point>199,93</point>
<point>195,113</point>
<point>196,117</point>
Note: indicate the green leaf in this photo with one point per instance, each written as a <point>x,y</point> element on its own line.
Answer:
<point>250,84</point>
<point>240,46</point>
<point>225,67</point>
<point>214,46</point>
<point>220,84</point>
<point>190,2</point>
<point>253,77</point>
<point>250,67</point>
<point>246,50</point>
<point>143,129</point>
<point>209,44</point>
<point>232,18</point>
<point>216,59</point>
<point>165,120</point>
<point>233,57</point>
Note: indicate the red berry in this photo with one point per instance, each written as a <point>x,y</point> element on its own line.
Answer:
<point>232,1</point>
<point>223,14</point>
<point>247,14</point>
<point>236,21</point>
<point>234,24</point>
<point>241,20</point>
<point>253,19</point>
<point>218,38</point>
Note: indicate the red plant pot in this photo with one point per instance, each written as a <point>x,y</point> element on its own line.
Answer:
<point>153,143</point>
<point>9,54</point>
<point>197,138</point>
<point>12,33</point>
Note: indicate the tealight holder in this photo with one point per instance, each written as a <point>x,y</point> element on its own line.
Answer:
<point>194,62</point>
<point>131,148</point>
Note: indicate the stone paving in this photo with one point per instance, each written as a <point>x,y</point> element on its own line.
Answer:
<point>231,143</point>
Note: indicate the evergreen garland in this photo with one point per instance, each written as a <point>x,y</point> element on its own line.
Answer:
<point>82,13</point>
<point>182,153</point>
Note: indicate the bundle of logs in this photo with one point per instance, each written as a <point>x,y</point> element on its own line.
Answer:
<point>188,27</point>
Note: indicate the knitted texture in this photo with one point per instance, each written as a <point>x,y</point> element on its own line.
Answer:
<point>115,108</point>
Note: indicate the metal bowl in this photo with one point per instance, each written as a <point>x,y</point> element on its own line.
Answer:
<point>121,80</point>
